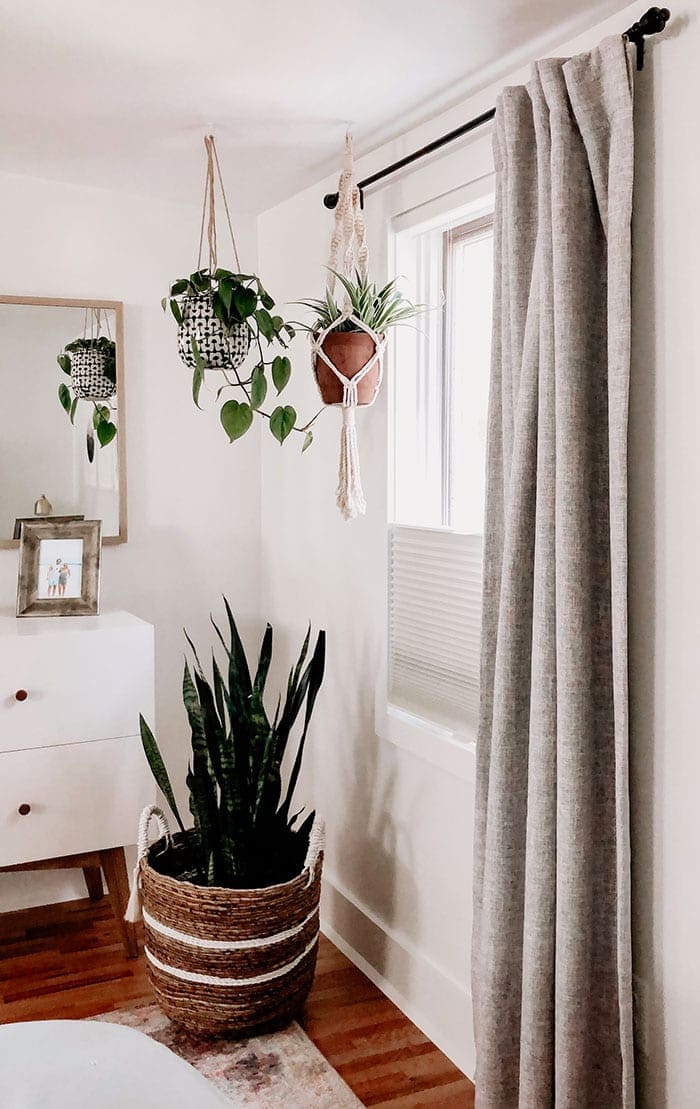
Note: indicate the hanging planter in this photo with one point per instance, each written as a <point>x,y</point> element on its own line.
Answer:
<point>93,368</point>
<point>90,362</point>
<point>220,346</point>
<point>348,340</point>
<point>350,352</point>
<point>222,315</point>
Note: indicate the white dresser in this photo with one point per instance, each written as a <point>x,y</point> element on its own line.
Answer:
<point>73,776</point>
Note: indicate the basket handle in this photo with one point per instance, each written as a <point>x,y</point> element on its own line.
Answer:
<point>133,909</point>
<point>150,813</point>
<point>317,842</point>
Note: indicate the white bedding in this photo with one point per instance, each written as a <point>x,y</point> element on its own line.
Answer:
<point>72,1064</point>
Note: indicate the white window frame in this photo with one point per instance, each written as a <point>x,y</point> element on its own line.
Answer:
<point>448,749</point>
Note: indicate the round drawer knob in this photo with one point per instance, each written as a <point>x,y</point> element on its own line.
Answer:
<point>21,695</point>
<point>24,809</point>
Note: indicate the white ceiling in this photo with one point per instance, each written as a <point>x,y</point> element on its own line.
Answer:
<point>119,94</point>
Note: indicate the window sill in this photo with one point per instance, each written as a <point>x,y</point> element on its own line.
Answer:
<point>452,752</point>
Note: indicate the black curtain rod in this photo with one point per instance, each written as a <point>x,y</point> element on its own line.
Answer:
<point>652,22</point>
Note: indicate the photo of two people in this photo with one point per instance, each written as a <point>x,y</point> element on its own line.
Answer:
<point>60,568</point>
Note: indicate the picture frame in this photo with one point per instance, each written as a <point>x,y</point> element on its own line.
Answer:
<point>59,568</point>
<point>43,519</point>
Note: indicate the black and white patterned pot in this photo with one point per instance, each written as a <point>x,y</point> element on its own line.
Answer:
<point>219,348</point>
<point>87,375</point>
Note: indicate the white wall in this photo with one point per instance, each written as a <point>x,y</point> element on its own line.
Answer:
<point>193,500</point>
<point>398,870</point>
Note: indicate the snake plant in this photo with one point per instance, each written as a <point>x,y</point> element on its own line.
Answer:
<point>245,835</point>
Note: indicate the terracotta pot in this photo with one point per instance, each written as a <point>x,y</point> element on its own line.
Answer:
<point>349,351</point>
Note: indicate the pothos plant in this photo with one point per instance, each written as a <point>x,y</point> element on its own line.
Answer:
<point>102,422</point>
<point>240,300</point>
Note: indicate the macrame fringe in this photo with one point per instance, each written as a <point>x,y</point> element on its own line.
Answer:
<point>350,497</point>
<point>134,912</point>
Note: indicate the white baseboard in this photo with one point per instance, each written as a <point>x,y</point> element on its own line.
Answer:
<point>435,1001</point>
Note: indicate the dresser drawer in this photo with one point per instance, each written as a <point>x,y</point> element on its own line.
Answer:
<point>74,687</point>
<point>80,797</point>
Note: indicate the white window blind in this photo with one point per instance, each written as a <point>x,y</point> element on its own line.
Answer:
<point>434,623</point>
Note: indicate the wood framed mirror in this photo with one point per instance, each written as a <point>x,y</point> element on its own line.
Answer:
<point>62,413</point>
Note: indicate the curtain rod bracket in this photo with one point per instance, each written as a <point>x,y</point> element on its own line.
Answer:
<point>651,23</point>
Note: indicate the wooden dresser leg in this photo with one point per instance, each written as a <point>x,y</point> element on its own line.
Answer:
<point>93,881</point>
<point>113,863</point>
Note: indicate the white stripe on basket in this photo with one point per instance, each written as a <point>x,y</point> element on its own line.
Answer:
<point>212,980</point>
<point>224,945</point>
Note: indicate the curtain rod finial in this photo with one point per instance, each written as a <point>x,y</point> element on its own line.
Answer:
<point>651,23</point>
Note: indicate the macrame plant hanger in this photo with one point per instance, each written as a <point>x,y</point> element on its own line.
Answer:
<point>209,208</point>
<point>349,253</point>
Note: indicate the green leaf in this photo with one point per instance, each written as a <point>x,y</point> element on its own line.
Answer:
<point>73,408</point>
<point>266,300</point>
<point>258,386</point>
<point>175,309</point>
<point>106,432</point>
<point>226,293</point>
<point>155,761</point>
<point>178,287</point>
<point>264,321</point>
<point>236,418</point>
<point>64,362</point>
<point>245,301</point>
<point>65,397</point>
<point>197,381</point>
<point>219,307</point>
<point>310,684</point>
<point>308,440</point>
<point>281,372</point>
<point>282,422</point>
<point>201,280</point>
<point>196,354</point>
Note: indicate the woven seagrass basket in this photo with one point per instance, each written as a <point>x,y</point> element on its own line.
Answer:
<point>229,960</point>
<point>219,347</point>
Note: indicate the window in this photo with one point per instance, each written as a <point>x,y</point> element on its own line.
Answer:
<point>438,410</point>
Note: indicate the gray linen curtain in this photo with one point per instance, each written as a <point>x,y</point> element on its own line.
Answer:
<point>551,969</point>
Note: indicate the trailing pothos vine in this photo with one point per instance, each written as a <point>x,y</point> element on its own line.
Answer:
<point>242,311</point>
<point>69,397</point>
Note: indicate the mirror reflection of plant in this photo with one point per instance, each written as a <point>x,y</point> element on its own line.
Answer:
<point>102,421</point>
<point>241,299</point>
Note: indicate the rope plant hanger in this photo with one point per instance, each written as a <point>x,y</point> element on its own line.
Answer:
<point>348,339</point>
<point>354,358</point>
<point>222,315</point>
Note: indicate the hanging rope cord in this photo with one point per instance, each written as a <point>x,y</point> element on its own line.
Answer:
<point>349,240</point>
<point>209,208</point>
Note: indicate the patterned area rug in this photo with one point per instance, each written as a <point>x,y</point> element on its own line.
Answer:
<point>280,1070</point>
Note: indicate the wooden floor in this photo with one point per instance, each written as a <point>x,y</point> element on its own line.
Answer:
<point>65,961</point>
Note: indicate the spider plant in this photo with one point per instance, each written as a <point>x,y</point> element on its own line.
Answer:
<point>377,308</point>
<point>245,835</point>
